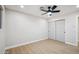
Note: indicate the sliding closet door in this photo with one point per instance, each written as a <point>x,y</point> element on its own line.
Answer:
<point>60,30</point>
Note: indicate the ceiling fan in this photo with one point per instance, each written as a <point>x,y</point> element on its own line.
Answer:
<point>51,9</point>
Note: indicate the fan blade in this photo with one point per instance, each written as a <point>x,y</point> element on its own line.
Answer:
<point>42,9</point>
<point>44,13</point>
<point>55,11</point>
<point>54,7</point>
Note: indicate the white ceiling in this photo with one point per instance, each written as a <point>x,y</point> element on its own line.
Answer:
<point>35,10</point>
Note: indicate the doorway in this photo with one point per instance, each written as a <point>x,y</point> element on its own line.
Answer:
<point>51,30</point>
<point>0,16</point>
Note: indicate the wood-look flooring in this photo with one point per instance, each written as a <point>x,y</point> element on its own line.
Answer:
<point>45,47</point>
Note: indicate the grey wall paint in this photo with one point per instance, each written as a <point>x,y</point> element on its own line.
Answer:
<point>21,28</point>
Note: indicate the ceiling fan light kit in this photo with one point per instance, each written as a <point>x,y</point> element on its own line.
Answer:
<point>49,14</point>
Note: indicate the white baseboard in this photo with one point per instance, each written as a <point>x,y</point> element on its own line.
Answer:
<point>25,43</point>
<point>74,44</point>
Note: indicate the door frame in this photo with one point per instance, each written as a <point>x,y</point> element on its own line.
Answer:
<point>77,30</point>
<point>64,29</point>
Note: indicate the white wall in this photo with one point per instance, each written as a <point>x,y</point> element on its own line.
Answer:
<point>21,28</point>
<point>70,27</point>
<point>2,33</point>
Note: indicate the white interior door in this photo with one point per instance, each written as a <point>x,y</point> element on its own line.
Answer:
<point>51,30</point>
<point>60,30</point>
